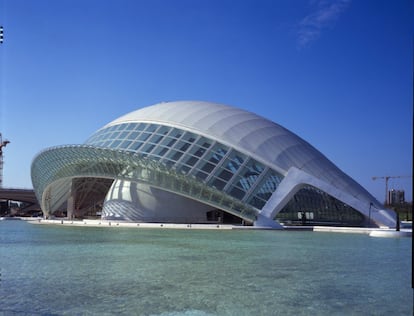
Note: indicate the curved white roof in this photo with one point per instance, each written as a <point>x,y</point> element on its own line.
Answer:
<point>251,133</point>
<point>241,129</point>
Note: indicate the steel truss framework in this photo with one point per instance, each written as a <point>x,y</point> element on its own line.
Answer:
<point>63,164</point>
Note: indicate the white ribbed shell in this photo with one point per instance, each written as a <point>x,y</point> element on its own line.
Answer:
<point>250,133</point>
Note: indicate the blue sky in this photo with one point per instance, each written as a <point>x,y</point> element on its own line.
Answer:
<point>337,73</point>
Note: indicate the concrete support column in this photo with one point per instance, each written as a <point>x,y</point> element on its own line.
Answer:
<point>70,207</point>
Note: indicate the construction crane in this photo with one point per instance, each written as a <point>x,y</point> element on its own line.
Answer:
<point>387,178</point>
<point>2,144</point>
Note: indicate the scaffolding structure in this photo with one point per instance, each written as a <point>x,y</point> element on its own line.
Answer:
<point>387,178</point>
<point>2,145</point>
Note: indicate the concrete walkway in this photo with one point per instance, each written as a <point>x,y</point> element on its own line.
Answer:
<point>374,232</point>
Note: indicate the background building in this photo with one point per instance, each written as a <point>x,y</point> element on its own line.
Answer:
<point>396,197</point>
<point>201,162</point>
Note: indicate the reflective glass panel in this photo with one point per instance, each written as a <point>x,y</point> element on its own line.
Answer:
<point>133,135</point>
<point>168,141</point>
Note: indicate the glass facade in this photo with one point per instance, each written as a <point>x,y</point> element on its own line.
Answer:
<point>209,161</point>
<point>311,206</point>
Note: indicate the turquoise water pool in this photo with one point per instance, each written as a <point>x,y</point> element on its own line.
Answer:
<point>55,270</point>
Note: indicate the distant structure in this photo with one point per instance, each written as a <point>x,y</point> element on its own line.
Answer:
<point>200,162</point>
<point>2,144</point>
<point>1,34</point>
<point>387,178</point>
<point>396,197</point>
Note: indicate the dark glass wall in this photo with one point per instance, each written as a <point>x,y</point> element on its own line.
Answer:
<point>311,206</point>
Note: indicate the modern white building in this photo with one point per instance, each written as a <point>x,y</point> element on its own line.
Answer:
<point>201,162</point>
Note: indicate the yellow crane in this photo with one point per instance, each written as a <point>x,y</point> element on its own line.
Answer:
<point>387,178</point>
